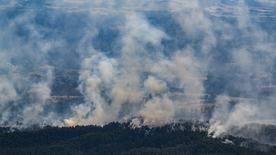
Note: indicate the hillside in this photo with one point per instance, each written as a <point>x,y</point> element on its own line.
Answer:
<point>116,138</point>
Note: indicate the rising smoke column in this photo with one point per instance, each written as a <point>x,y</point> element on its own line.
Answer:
<point>137,83</point>
<point>25,74</point>
<point>254,60</point>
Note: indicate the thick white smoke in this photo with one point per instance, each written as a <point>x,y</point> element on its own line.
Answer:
<point>25,76</point>
<point>135,83</point>
<point>254,60</point>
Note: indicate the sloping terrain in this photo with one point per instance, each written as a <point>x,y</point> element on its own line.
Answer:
<point>116,138</point>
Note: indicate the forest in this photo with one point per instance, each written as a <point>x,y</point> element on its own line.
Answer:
<point>123,138</point>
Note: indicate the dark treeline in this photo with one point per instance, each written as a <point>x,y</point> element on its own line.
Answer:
<point>116,138</point>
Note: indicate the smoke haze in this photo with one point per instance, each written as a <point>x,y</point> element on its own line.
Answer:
<point>148,62</point>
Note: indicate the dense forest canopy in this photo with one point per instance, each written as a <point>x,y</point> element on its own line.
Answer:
<point>115,138</point>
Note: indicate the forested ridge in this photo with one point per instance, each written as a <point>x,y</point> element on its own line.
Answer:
<point>116,138</point>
